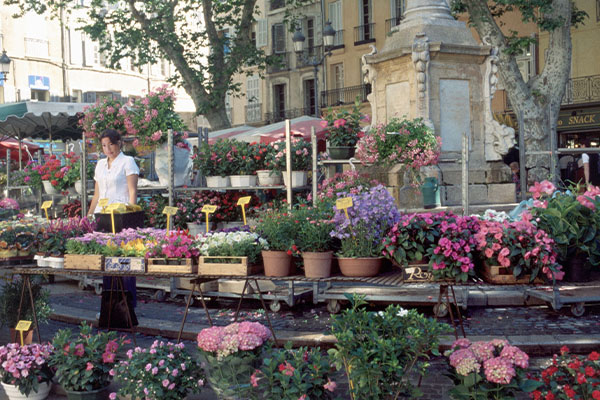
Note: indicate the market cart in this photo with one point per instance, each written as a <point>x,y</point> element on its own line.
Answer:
<point>565,294</point>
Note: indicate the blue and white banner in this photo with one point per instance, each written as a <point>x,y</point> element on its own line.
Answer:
<point>39,82</point>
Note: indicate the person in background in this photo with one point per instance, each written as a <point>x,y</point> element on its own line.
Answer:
<point>515,172</point>
<point>116,179</point>
<point>590,165</point>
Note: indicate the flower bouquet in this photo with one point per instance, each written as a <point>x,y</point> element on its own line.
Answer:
<point>488,370</point>
<point>569,377</point>
<point>85,361</point>
<point>164,371</point>
<point>292,374</point>
<point>26,367</point>
<point>231,354</point>
<point>411,143</point>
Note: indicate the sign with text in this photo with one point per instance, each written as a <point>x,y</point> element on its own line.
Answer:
<point>343,204</point>
<point>170,210</point>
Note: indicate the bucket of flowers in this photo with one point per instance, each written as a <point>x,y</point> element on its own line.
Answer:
<point>85,361</point>
<point>232,354</point>
<point>488,370</point>
<point>164,371</point>
<point>301,151</point>
<point>343,128</point>
<point>24,370</point>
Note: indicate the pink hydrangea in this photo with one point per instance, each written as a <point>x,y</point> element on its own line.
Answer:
<point>499,370</point>
<point>482,350</point>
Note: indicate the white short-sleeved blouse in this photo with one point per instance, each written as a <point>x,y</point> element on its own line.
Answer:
<point>112,181</point>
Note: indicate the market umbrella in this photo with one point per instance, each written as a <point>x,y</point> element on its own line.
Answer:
<point>300,127</point>
<point>27,149</point>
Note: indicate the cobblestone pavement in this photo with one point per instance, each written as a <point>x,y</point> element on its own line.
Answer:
<point>484,321</point>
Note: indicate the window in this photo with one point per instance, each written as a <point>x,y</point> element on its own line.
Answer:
<point>397,11</point>
<point>226,35</point>
<point>75,47</point>
<point>278,38</point>
<point>261,34</point>
<point>40,95</point>
<point>335,16</point>
<point>228,107</point>
<point>279,102</point>
<point>310,33</point>
<point>164,67</point>
<point>364,21</point>
<point>526,63</point>
<point>76,96</point>
<point>597,10</point>
<point>36,36</point>
<point>338,81</point>
<point>309,97</point>
<point>253,106</point>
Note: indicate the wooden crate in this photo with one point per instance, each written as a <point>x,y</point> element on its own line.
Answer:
<point>239,268</point>
<point>88,262</point>
<point>172,265</point>
<point>503,276</point>
<point>125,264</point>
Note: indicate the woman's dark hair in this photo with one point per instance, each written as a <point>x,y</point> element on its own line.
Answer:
<point>111,134</point>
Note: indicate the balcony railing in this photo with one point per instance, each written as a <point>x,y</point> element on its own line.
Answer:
<point>392,22</point>
<point>276,4</point>
<point>282,63</point>
<point>280,115</point>
<point>364,34</point>
<point>338,39</point>
<point>585,89</point>
<point>346,95</point>
<point>254,112</point>
<point>309,54</point>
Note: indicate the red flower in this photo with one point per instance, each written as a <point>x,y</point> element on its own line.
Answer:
<point>550,396</point>
<point>596,395</point>
<point>564,350</point>
<point>594,356</point>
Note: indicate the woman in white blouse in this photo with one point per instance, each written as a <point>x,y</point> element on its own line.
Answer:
<point>116,175</point>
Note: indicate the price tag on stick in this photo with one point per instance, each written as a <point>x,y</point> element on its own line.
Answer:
<point>208,209</point>
<point>343,204</point>
<point>102,203</point>
<point>22,326</point>
<point>45,206</point>
<point>111,208</point>
<point>169,211</point>
<point>242,201</point>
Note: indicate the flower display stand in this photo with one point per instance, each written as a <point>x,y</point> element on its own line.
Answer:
<point>89,262</point>
<point>503,276</point>
<point>13,393</point>
<point>219,266</point>
<point>172,265</point>
<point>125,264</point>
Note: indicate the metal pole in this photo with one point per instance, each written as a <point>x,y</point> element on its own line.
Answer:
<point>7,170</point>
<point>171,169</point>
<point>554,170</point>
<point>313,141</point>
<point>465,173</point>
<point>522,157</point>
<point>20,152</point>
<point>317,89</point>
<point>83,178</point>
<point>288,161</point>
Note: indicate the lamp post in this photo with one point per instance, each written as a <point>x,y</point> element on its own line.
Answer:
<point>298,39</point>
<point>4,65</point>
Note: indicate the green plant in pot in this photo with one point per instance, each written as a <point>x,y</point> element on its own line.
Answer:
<point>572,220</point>
<point>10,297</point>
<point>279,230</point>
<point>381,351</point>
<point>343,129</point>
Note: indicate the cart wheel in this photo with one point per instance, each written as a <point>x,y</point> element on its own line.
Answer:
<point>160,295</point>
<point>333,306</point>
<point>98,289</point>
<point>578,309</point>
<point>275,306</point>
<point>81,285</point>
<point>440,310</point>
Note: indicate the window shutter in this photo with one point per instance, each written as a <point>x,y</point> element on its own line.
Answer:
<point>261,33</point>
<point>278,38</point>
<point>76,50</point>
<point>90,51</point>
<point>253,90</point>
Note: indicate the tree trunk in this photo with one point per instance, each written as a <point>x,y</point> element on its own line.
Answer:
<point>217,119</point>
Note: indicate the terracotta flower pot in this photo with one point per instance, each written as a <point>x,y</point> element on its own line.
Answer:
<point>363,266</point>
<point>317,264</point>
<point>277,263</point>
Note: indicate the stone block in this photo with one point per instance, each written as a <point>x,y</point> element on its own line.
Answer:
<point>409,198</point>
<point>501,193</point>
<point>477,195</point>
<point>500,174</point>
<point>454,177</point>
<point>395,176</point>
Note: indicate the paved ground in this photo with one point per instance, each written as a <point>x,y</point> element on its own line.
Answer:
<point>537,329</point>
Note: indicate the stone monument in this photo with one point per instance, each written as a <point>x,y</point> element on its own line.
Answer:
<point>432,67</point>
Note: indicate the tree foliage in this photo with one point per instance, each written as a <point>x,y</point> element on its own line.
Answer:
<point>207,41</point>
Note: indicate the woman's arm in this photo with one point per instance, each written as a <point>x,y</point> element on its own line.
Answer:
<point>132,181</point>
<point>94,202</point>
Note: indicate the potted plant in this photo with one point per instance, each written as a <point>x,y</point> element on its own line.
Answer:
<point>488,370</point>
<point>313,238</point>
<point>573,220</point>
<point>387,340</point>
<point>519,247</point>
<point>279,230</point>
<point>164,371</point>
<point>569,377</point>
<point>292,374</point>
<point>268,174</point>
<point>343,128</point>
<point>10,298</point>
<point>214,161</point>
<point>451,258</point>
<point>301,160</point>
<point>361,233</point>
<point>73,174</point>
<point>84,365</point>
<point>237,243</point>
<point>24,370</point>
<point>244,164</point>
<point>410,143</point>
<point>231,354</point>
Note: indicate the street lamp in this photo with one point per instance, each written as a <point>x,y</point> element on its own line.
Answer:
<point>298,39</point>
<point>4,65</point>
